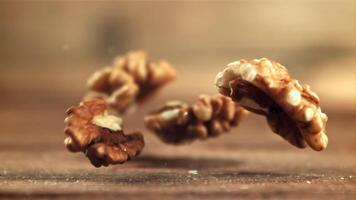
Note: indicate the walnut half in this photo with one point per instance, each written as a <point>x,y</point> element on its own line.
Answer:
<point>210,116</point>
<point>92,130</point>
<point>264,87</point>
<point>131,78</point>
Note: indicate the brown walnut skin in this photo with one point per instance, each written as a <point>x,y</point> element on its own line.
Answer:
<point>283,125</point>
<point>103,146</point>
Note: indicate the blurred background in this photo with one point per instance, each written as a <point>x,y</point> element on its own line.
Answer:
<point>49,48</point>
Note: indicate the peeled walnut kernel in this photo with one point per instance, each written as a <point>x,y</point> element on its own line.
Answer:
<point>210,116</point>
<point>110,122</point>
<point>91,129</point>
<point>131,78</point>
<point>264,87</point>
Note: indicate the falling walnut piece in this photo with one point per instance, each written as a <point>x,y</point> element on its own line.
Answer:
<point>177,122</point>
<point>131,78</point>
<point>265,87</point>
<point>92,130</point>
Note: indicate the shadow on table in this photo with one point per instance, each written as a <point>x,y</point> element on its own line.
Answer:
<point>149,161</point>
